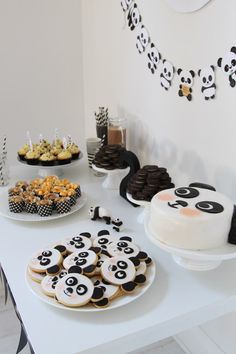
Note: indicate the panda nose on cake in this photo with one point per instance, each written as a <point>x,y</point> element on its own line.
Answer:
<point>178,203</point>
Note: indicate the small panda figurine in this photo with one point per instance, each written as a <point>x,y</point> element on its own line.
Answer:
<point>167,74</point>
<point>125,4</point>
<point>186,78</point>
<point>98,212</point>
<point>143,39</point>
<point>154,58</point>
<point>228,64</point>
<point>207,76</point>
<point>134,17</point>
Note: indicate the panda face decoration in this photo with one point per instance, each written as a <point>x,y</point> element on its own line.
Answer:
<point>118,270</point>
<point>194,203</point>
<point>125,4</point>
<point>167,74</point>
<point>186,82</point>
<point>86,260</point>
<point>123,248</point>
<point>228,65</point>
<point>49,282</point>
<point>77,243</point>
<point>207,76</point>
<point>134,18</point>
<point>103,241</point>
<point>74,290</point>
<point>154,58</point>
<point>143,39</point>
<point>45,259</point>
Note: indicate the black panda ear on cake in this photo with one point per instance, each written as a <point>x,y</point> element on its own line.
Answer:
<point>199,72</point>
<point>213,68</point>
<point>179,71</point>
<point>192,73</point>
<point>233,50</point>
<point>219,62</point>
<point>232,231</point>
<point>202,185</point>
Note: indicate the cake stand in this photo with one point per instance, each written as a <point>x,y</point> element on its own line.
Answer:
<point>113,178</point>
<point>201,260</point>
<point>143,204</point>
<point>57,170</point>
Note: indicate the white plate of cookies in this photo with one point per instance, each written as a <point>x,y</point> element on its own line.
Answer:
<point>86,273</point>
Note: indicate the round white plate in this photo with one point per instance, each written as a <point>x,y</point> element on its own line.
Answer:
<point>118,302</point>
<point>4,210</point>
<point>194,260</point>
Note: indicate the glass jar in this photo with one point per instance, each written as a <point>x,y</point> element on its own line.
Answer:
<point>117,131</point>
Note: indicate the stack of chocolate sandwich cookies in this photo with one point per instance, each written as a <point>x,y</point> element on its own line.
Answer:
<point>108,157</point>
<point>148,181</point>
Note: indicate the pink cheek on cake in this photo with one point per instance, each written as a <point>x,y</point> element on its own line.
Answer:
<point>165,197</point>
<point>190,212</point>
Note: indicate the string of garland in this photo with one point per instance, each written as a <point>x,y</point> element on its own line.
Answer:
<point>207,74</point>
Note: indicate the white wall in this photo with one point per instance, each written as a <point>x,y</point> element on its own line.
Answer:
<point>195,140</point>
<point>40,69</point>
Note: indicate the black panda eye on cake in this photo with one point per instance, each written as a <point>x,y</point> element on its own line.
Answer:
<point>210,207</point>
<point>186,192</point>
<point>81,289</point>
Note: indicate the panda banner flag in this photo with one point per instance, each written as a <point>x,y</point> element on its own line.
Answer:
<point>207,74</point>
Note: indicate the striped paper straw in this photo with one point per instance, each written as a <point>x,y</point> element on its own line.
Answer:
<point>64,142</point>
<point>29,140</point>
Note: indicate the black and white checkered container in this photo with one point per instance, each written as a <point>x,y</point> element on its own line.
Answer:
<point>73,199</point>
<point>31,207</point>
<point>78,192</point>
<point>44,210</point>
<point>63,206</point>
<point>16,206</point>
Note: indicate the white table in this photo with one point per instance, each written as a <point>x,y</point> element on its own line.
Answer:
<point>178,299</point>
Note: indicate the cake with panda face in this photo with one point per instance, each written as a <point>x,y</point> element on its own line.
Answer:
<point>191,218</point>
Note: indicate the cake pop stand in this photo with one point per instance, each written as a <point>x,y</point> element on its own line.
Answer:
<point>193,260</point>
<point>57,170</point>
<point>113,178</point>
<point>144,205</point>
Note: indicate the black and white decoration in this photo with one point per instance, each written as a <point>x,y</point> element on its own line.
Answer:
<point>207,74</point>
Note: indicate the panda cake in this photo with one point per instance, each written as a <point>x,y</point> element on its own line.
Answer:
<point>191,218</point>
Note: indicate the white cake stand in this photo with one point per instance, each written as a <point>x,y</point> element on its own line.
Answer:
<point>193,260</point>
<point>113,178</point>
<point>57,170</point>
<point>144,205</point>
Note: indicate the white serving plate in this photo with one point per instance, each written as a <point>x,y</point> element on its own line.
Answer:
<point>115,303</point>
<point>4,210</point>
<point>201,260</point>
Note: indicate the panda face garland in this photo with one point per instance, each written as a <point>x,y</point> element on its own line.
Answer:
<point>186,82</point>
<point>167,74</point>
<point>154,58</point>
<point>143,39</point>
<point>228,65</point>
<point>207,76</point>
<point>134,18</point>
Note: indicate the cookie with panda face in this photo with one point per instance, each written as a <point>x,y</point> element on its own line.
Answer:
<point>77,243</point>
<point>127,249</point>
<point>101,258</point>
<point>47,260</point>
<point>111,291</point>
<point>191,217</point>
<point>85,260</point>
<point>103,239</point>
<point>37,277</point>
<point>74,290</point>
<point>49,282</point>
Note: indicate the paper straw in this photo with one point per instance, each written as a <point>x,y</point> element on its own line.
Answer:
<point>4,151</point>
<point>56,134</point>
<point>64,142</point>
<point>69,139</point>
<point>1,174</point>
<point>40,138</point>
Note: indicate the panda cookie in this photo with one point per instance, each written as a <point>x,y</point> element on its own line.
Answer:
<point>38,277</point>
<point>49,282</point>
<point>110,291</point>
<point>86,260</point>
<point>101,258</point>
<point>77,243</point>
<point>46,260</point>
<point>103,239</point>
<point>123,248</point>
<point>119,271</point>
<point>74,290</point>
